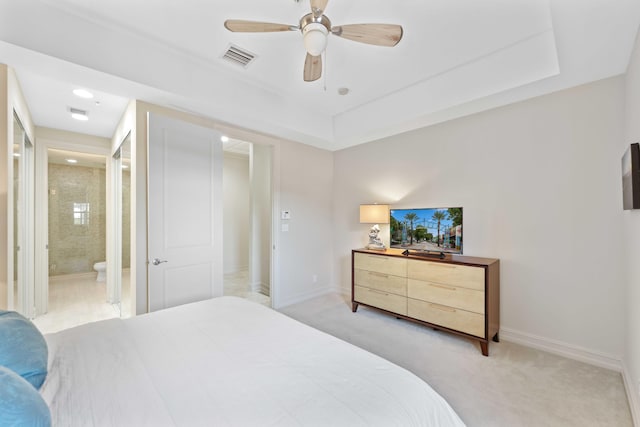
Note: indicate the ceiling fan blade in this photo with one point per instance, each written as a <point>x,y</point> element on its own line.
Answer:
<point>240,26</point>
<point>318,7</point>
<point>312,68</point>
<point>376,34</point>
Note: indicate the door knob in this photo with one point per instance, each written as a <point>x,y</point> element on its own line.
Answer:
<point>158,261</point>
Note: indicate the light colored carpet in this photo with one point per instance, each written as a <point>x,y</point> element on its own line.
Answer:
<point>514,386</point>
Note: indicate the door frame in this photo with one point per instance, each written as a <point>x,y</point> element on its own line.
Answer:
<point>114,222</point>
<point>263,140</point>
<point>25,261</point>
<point>54,140</point>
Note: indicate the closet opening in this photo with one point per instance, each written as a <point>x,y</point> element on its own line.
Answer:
<point>247,220</point>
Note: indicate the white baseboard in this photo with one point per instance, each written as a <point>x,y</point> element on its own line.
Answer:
<point>340,290</point>
<point>562,349</point>
<point>632,394</point>
<point>256,286</point>
<point>62,277</point>
<point>303,297</point>
<point>264,288</point>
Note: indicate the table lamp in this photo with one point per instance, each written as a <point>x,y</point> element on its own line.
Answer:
<point>374,214</point>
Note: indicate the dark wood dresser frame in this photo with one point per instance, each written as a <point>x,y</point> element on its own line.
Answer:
<point>492,292</point>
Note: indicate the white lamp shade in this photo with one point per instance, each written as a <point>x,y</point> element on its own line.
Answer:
<point>315,38</point>
<point>374,214</point>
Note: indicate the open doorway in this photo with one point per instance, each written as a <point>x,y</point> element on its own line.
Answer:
<point>247,191</point>
<point>76,219</point>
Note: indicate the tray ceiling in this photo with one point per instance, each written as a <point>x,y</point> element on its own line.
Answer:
<point>456,57</point>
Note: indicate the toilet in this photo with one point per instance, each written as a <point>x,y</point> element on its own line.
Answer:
<point>101,268</point>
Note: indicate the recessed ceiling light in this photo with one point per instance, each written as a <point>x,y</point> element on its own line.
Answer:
<point>224,138</point>
<point>125,167</point>
<point>79,114</point>
<point>83,93</point>
<point>72,161</point>
<point>16,154</point>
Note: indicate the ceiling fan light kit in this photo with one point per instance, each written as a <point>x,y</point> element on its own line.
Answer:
<point>315,28</point>
<point>315,38</point>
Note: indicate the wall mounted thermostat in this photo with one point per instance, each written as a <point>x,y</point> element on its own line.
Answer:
<point>286,215</point>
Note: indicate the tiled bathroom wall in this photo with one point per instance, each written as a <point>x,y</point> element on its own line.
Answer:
<point>77,218</point>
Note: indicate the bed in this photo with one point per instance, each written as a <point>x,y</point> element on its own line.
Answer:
<point>227,362</point>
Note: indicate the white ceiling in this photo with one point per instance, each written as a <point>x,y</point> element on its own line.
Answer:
<point>456,57</point>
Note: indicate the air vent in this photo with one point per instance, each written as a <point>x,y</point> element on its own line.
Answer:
<point>238,56</point>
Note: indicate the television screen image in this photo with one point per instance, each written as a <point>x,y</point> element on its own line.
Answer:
<point>426,229</point>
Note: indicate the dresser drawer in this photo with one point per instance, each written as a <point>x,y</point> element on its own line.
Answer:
<point>449,317</point>
<point>380,281</point>
<point>384,300</point>
<point>381,264</point>
<point>451,274</point>
<point>449,295</point>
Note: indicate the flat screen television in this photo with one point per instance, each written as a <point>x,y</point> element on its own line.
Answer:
<point>426,229</point>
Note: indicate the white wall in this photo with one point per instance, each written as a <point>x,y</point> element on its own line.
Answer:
<point>631,232</point>
<point>306,177</point>
<point>235,187</point>
<point>540,185</point>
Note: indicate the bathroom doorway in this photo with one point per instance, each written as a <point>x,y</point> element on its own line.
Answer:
<point>248,206</point>
<point>76,200</point>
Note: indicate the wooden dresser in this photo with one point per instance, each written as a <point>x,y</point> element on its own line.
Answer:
<point>458,294</point>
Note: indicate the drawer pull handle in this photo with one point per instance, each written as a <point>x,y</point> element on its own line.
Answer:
<point>375,273</point>
<point>379,292</point>
<point>436,285</point>
<point>443,308</point>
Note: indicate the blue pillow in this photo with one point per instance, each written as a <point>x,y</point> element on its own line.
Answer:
<point>22,347</point>
<point>20,403</point>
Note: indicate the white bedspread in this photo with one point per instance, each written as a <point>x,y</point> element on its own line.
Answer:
<point>227,362</point>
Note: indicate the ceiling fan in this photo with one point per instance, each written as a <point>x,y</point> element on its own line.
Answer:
<point>315,28</point>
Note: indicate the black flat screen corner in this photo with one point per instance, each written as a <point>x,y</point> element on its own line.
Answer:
<point>631,177</point>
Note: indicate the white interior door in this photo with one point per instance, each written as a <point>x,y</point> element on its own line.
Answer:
<point>184,212</point>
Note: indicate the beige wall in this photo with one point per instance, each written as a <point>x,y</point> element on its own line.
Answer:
<point>631,232</point>
<point>539,182</point>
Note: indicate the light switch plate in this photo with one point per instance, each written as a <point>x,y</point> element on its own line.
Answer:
<point>286,215</point>
<point>285,227</point>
